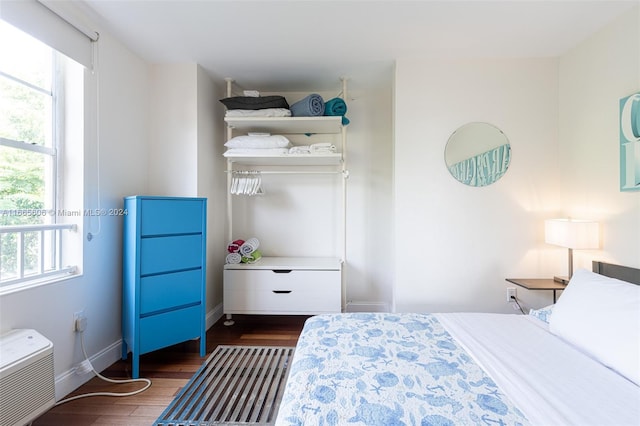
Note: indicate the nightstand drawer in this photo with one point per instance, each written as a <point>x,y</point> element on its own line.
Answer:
<point>166,254</point>
<point>164,291</point>
<point>158,331</point>
<point>162,217</point>
<point>293,292</point>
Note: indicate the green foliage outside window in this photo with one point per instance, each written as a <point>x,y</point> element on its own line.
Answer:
<point>25,117</point>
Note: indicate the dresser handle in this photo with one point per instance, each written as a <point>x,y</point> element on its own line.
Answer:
<point>282,291</point>
<point>281,271</point>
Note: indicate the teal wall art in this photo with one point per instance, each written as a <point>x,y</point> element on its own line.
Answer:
<point>630,143</point>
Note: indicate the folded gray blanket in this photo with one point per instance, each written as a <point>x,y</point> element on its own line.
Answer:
<point>250,102</point>
<point>310,106</point>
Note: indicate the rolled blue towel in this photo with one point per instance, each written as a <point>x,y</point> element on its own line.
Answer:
<point>310,106</point>
<point>336,106</point>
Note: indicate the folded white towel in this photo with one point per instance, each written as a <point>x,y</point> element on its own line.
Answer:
<point>273,141</point>
<point>265,112</point>
<point>233,258</point>
<point>251,93</point>
<point>323,145</point>
<point>322,148</point>
<point>249,246</point>
<point>300,149</point>
<point>255,151</point>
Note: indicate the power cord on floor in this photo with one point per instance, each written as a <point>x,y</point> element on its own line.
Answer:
<point>516,300</point>
<point>106,379</point>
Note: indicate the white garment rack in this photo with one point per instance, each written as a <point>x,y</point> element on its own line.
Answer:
<point>330,125</point>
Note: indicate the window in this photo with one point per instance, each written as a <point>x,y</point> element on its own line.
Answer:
<point>32,107</point>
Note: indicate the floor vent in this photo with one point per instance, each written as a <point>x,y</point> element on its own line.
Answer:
<point>237,385</point>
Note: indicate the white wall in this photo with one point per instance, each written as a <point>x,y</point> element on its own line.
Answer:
<point>121,165</point>
<point>173,128</point>
<point>211,184</point>
<point>369,271</point>
<point>454,244</point>
<point>562,120</point>
<point>594,76</point>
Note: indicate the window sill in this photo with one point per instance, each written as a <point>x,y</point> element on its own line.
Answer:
<point>29,285</point>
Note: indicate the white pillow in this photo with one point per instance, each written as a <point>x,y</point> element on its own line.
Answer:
<point>601,316</point>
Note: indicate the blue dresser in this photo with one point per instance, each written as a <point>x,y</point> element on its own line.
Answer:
<point>164,262</point>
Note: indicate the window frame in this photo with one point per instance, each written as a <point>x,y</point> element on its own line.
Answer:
<point>55,225</point>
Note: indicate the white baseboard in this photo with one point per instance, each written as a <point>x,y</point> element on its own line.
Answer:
<point>367,307</point>
<point>214,315</point>
<point>69,380</point>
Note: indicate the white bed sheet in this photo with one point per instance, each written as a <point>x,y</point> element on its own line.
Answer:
<point>550,381</point>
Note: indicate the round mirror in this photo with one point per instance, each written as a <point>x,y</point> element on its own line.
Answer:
<point>477,154</point>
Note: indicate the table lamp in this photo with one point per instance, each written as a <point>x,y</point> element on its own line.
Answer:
<point>572,234</point>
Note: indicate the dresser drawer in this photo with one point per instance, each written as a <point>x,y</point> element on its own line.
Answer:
<point>165,254</point>
<point>158,331</point>
<point>290,292</point>
<point>162,216</point>
<point>159,292</point>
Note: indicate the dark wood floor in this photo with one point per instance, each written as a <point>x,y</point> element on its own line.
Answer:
<point>169,369</point>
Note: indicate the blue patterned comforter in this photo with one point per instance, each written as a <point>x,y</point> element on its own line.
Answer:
<point>388,369</point>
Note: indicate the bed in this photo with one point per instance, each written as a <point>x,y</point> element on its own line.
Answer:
<point>576,362</point>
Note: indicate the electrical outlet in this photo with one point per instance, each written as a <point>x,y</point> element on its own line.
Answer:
<point>79,321</point>
<point>511,292</point>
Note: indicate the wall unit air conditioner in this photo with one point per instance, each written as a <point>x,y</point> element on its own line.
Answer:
<point>27,387</point>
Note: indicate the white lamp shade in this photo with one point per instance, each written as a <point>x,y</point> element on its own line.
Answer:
<point>573,234</point>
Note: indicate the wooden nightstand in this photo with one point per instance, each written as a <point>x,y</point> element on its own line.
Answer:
<point>539,284</point>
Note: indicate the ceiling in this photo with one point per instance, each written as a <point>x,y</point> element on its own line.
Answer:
<point>300,45</point>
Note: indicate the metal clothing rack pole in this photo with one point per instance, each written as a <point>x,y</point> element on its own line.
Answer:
<point>345,176</point>
<point>229,175</point>
<point>285,172</point>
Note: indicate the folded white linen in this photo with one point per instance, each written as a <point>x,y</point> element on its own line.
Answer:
<point>323,145</point>
<point>317,149</point>
<point>251,93</point>
<point>265,112</point>
<point>255,151</point>
<point>273,141</point>
<point>322,148</point>
<point>300,149</point>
